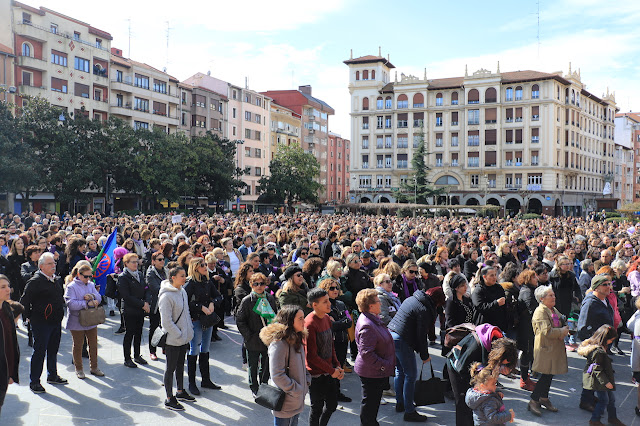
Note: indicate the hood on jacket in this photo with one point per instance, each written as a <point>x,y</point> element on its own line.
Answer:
<point>586,348</point>
<point>507,285</point>
<point>119,252</point>
<point>165,286</point>
<point>486,334</point>
<point>475,398</point>
<point>275,331</point>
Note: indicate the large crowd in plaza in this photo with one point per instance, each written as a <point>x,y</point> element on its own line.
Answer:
<point>316,297</point>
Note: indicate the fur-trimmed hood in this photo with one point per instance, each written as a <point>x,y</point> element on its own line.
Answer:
<point>274,332</point>
<point>586,348</point>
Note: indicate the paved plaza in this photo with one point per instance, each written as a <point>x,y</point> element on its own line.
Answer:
<point>135,396</point>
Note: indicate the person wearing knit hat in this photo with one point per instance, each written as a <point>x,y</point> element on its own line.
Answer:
<point>599,280</point>
<point>288,273</point>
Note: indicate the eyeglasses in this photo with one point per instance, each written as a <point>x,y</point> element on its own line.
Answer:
<point>297,275</point>
<point>333,288</point>
<point>87,276</point>
<point>387,281</point>
<point>160,258</point>
<point>303,253</point>
<point>411,271</point>
<point>258,284</point>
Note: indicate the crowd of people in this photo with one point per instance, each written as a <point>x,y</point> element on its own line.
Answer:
<point>316,297</point>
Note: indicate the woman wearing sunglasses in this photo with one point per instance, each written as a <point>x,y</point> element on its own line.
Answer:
<point>81,294</point>
<point>156,273</point>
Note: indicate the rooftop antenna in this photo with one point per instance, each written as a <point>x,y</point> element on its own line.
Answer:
<point>538,36</point>
<point>168,29</point>
<point>292,85</point>
<point>129,53</point>
<point>246,82</point>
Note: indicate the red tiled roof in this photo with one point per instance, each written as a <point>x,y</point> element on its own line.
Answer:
<point>130,62</point>
<point>635,116</point>
<point>6,49</point>
<point>369,59</point>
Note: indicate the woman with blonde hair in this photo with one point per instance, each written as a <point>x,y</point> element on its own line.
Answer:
<point>408,281</point>
<point>80,294</point>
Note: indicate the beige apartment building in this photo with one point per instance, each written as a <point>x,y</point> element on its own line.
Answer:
<point>285,128</point>
<point>61,59</point>
<point>627,173</point>
<point>248,123</point>
<point>142,95</point>
<point>524,140</point>
<point>202,110</point>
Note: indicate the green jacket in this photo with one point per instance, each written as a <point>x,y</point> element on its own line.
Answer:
<point>296,298</point>
<point>601,368</point>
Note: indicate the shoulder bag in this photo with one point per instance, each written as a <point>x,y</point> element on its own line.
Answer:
<point>272,397</point>
<point>429,392</point>
<point>90,317</point>
<point>159,338</point>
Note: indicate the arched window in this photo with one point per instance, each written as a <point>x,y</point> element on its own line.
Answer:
<point>365,75</point>
<point>473,97</point>
<point>365,104</point>
<point>379,103</point>
<point>573,96</point>
<point>490,95</point>
<point>373,74</point>
<point>418,100</point>
<point>357,75</point>
<point>447,180</point>
<point>519,93</point>
<point>26,49</point>
<point>535,92</point>
<point>454,98</point>
<point>403,101</point>
<point>388,103</point>
<point>439,101</point>
<point>508,94</point>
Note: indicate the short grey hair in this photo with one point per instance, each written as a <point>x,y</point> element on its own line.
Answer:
<point>619,265</point>
<point>541,292</point>
<point>44,257</point>
<point>586,264</point>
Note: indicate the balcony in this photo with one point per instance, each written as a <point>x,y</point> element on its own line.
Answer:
<point>535,117</point>
<point>122,109</point>
<point>30,30</point>
<point>518,119</point>
<point>402,124</point>
<point>473,122</point>
<point>26,90</point>
<point>454,123</point>
<point>365,126</point>
<point>30,62</point>
<point>490,121</point>
<point>508,120</point>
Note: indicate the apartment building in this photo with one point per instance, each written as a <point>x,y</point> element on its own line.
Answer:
<point>627,138</point>
<point>285,128</point>
<point>523,140</point>
<point>61,59</point>
<point>248,123</point>
<point>338,169</point>
<point>142,95</point>
<point>315,125</point>
<point>202,110</point>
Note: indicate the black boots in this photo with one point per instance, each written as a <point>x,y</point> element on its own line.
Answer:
<point>191,368</point>
<point>204,372</point>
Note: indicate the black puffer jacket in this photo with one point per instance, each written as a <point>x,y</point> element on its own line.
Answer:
<point>199,294</point>
<point>43,300</point>
<point>341,322</point>
<point>527,304</point>
<point>134,293</point>
<point>249,323</point>
<point>413,320</point>
<point>10,335</point>
<point>566,288</point>
<point>154,279</point>
<point>355,281</point>
<point>486,308</point>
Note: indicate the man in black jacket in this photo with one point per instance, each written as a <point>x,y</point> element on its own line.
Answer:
<point>43,302</point>
<point>326,251</point>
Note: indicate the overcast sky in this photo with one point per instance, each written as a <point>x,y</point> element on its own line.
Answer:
<point>281,44</point>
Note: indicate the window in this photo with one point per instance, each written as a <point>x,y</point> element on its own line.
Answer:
<point>490,159</point>
<point>365,181</point>
<point>140,104</point>
<point>247,133</point>
<point>518,135</point>
<point>416,140</point>
<point>535,92</point>
<point>534,179</point>
<point>387,181</point>
<point>518,93</point>
<point>141,81</point>
<point>418,100</point>
<point>247,115</point>
<point>99,43</point>
<point>473,159</point>
<point>379,161</point>
<point>474,116</point>
<point>380,118</point>
<point>508,181</point>
<point>473,97</point>
<point>54,29</point>
<point>490,115</point>
<point>258,135</point>
<point>365,103</point>
<point>26,18</point>
<point>490,95</point>
<point>365,161</point>
<point>454,139</point>
<point>58,58</point>
<point>388,103</point>
<point>388,161</point>
<point>247,97</point>
<point>379,180</point>
<point>233,131</point>
<point>508,115</point>
<point>199,101</point>
<point>388,141</point>
<point>490,137</point>
<point>454,98</point>
<point>379,142</point>
<point>81,64</point>
<point>159,86</point>
<point>26,49</point>
<point>474,138</point>
<point>58,85</point>
<point>259,102</point>
<point>76,35</point>
<point>258,118</point>
<point>402,161</point>
<point>403,120</point>
<point>403,101</point>
<point>247,152</point>
<point>534,158</point>
<point>81,90</point>
<point>357,75</point>
<point>26,78</point>
<point>365,75</point>
<point>535,113</point>
<point>120,77</point>
<point>199,121</point>
<point>365,142</point>
<point>418,119</point>
<point>508,159</point>
<point>403,141</point>
<point>439,99</point>
<point>387,122</point>
<point>454,161</point>
<point>438,160</point>
<point>518,115</point>
<point>474,181</point>
<point>140,125</point>
<point>454,118</point>
<point>508,96</point>
<point>438,119</point>
<point>373,74</point>
<point>365,123</point>
<point>258,171</point>
<point>97,95</point>
<point>379,103</point>
<point>233,113</point>
<point>120,103</point>
<point>535,135</point>
<point>438,139</point>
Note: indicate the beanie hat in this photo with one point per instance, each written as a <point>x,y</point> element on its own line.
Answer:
<point>598,280</point>
<point>290,271</point>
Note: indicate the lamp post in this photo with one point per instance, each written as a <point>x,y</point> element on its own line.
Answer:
<point>238,142</point>
<point>415,194</point>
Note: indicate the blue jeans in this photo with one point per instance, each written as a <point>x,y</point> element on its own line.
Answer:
<point>605,399</point>
<point>291,421</point>
<point>406,373</point>
<point>201,339</point>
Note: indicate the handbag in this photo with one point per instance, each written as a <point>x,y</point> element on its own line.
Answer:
<point>271,397</point>
<point>207,321</point>
<point>429,392</point>
<point>92,316</point>
<point>159,338</point>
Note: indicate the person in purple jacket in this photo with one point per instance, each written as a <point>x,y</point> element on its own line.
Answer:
<point>376,358</point>
<point>81,294</point>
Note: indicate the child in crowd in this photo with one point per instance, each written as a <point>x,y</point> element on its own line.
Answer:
<point>482,398</point>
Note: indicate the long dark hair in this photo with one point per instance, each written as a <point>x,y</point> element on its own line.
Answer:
<point>602,335</point>
<point>286,316</point>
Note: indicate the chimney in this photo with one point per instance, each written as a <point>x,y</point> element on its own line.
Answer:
<point>116,51</point>
<point>305,89</point>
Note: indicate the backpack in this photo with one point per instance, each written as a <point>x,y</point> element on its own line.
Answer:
<point>111,290</point>
<point>455,334</point>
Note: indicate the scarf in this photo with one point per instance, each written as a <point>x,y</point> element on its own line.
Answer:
<point>263,308</point>
<point>134,274</point>
<point>406,282</point>
<point>555,319</point>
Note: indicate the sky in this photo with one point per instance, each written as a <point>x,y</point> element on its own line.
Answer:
<point>282,44</point>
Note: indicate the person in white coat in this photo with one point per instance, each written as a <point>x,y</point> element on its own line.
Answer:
<point>634,325</point>
<point>176,322</point>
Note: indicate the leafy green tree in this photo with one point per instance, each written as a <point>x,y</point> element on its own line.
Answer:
<point>293,176</point>
<point>418,189</point>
